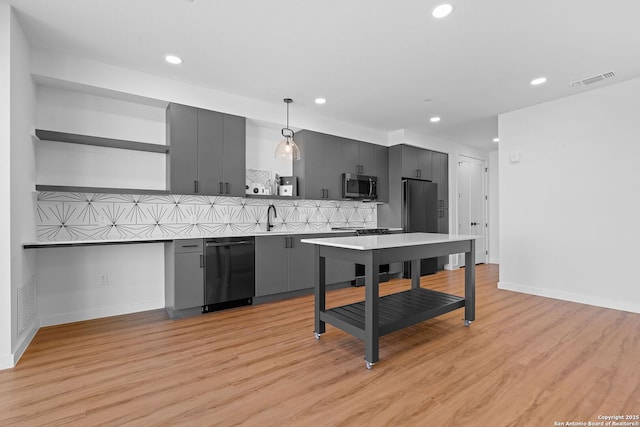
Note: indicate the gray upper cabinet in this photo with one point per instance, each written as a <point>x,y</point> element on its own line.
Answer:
<point>182,136</point>
<point>324,158</point>
<point>358,157</point>
<point>440,175</point>
<point>381,170</point>
<point>207,152</point>
<point>319,170</point>
<point>416,163</point>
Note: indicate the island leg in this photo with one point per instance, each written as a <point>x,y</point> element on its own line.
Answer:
<point>415,273</point>
<point>470,284</point>
<point>371,323</point>
<point>320,294</point>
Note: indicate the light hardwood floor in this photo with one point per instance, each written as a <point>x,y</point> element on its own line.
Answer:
<point>526,361</point>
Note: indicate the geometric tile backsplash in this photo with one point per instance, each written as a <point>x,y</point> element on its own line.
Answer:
<point>96,216</point>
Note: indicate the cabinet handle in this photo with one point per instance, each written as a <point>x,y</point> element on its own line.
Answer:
<point>291,242</point>
<point>418,173</point>
<point>201,261</point>
<point>226,188</point>
<point>286,243</point>
<point>195,186</point>
<point>190,246</point>
<point>221,189</point>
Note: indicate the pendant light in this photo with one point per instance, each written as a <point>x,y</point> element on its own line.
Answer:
<point>287,149</point>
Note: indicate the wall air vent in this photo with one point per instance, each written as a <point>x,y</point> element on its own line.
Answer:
<point>594,79</point>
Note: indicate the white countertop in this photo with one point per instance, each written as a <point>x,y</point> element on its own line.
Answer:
<point>385,241</point>
<point>168,239</point>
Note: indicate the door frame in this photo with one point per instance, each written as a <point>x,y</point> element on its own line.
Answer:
<point>485,204</point>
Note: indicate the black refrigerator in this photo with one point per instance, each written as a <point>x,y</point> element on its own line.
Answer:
<point>420,215</point>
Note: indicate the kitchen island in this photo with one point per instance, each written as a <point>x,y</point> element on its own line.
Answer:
<point>374,317</point>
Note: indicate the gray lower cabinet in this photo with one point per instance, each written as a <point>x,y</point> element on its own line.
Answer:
<point>272,265</point>
<point>284,264</point>
<point>184,275</point>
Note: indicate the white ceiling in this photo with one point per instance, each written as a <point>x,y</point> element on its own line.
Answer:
<point>376,61</point>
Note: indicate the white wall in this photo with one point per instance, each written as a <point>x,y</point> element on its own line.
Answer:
<point>70,288</point>
<point>19,322</point>
<point>569,208</point>
<point>81,165</point>
<point>262,139</point>
<point>493,208</point>
<point>69,70</point>
<point>6,321</point>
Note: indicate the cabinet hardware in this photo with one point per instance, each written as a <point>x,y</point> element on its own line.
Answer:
<point>201,261</point>
<point>418,173</point>
<point>286,243</point>
<point>221,189</point>
<point>195,186</point>
<point>226,188</point>
<point>291,242</point>
<point>189,246</point>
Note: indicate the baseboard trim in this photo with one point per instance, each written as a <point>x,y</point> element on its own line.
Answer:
<point>9,361</point>
<point>78,316</point>
<point>572,297</point>
<point>26,340</point>
<point>6,361</point>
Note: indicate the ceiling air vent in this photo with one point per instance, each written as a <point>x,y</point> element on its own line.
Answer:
<point>594,79</point>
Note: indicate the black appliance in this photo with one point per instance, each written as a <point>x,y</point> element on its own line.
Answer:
<point>384,268</point>
<point>420,215</point>
<point>361,187</point>
<point>229,272</point>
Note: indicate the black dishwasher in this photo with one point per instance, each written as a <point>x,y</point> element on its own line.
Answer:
<point>229,272</point>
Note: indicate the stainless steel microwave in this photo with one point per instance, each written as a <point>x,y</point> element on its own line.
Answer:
<point>359,187</point>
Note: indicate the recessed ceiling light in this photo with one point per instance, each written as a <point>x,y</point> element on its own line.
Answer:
<point>172,59</point>
<point>538,81</point>
<point>442,10</point>
<point>321,101</point>
<point>434,119</point>
<point>496,139</point>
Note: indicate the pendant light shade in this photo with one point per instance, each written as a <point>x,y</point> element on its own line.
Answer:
<point>287,148</point>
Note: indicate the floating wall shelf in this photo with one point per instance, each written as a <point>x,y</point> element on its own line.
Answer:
<point>76,189</point>
<point>73,138</point>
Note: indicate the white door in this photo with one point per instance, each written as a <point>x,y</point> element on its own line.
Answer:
<point>472,217</point>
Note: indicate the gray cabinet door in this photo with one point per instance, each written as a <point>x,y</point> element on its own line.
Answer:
<point>310,168</point>
<point>210,152</point>
<point>366,159</point>
<point>319,170</point>
<point>381,156</point>
<point>424,164</point>
<point>234,155</point>
<point>332,173</point>
<point>272,265</point>
<point>350,156</point>
<point>440,175</point>
<point>301,264</point>
<point>409,162</point>
<point>189,280</point>
<point>182,137</point>
<point>416,163</point>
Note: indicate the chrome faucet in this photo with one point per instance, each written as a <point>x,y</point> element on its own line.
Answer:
<point>275,215</point>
